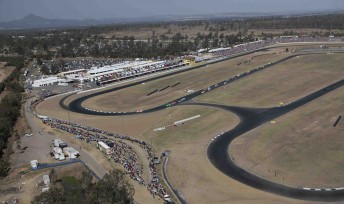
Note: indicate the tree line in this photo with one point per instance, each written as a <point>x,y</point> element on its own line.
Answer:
<point>10,106</point>
<point>90,41</point>
<point>113,188</point>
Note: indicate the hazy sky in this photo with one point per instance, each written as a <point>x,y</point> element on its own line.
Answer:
<point>80,9</point>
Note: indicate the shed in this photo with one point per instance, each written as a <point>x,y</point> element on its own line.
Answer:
<point>71,152</point>
<point>34,164</point>
<point>46,180</point>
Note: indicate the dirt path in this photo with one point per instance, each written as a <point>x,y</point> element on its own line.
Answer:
<point>5,71</point>
<point>38,146</point>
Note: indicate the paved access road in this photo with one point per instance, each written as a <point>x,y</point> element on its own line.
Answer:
<point>39,145</point>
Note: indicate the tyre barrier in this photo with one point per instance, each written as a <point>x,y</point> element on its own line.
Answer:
<point>164,88</point>
<point>150,93</point>
<point>175,84</point>
<point>337,121</point>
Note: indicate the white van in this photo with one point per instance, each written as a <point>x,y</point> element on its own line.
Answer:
<point>167,198</point>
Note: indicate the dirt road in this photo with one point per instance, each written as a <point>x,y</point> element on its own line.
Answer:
<point>38,146</point>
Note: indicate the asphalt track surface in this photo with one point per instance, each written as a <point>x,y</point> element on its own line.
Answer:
<point>76,105</point>
<point>250,118</point>
<point>164,174</point>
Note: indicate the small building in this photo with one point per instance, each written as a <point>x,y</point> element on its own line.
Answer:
<point>62,84</point>
<point>202,50</point>
<point>63,145</point>
<point>77,71</point>
<point>221,49</point>
<point>46,180</point>
<point>57,152</point>
<point>104,147</point>
<point>62,157</point>
<point>71,152</point>
<point>46,81</point>
<point>59,143</point>
<point>45,189</point>
<point>34,164</point>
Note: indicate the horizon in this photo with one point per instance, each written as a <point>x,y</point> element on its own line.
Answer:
<point>103,9</point>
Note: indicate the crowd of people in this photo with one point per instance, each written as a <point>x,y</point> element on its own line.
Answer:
<point>135,71</point>
<point>88,64</point>
<point>46,93</point>
<point>121,152</point>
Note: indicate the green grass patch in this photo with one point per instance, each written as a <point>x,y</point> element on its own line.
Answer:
<point>72,190</point>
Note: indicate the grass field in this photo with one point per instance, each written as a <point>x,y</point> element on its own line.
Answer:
<point>135,98</point>
<point>283,147</point>
<point>282,83</point>
<point>302,147</point>
<point>144,33</point>
<point>188,169</point>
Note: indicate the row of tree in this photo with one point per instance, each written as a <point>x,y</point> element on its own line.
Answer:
<point>213,33</point>
<point>129,47</point>
<point>10,106</point>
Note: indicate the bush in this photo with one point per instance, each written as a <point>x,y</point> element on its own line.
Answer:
<point>53,196</point>
<point>113,188</point>
<point>10,106</point>
<point>4,167</point>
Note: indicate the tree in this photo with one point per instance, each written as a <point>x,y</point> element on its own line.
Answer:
<point>52,175</point>
<point>39,61</point>
<point>113,188</point>
<point>4,167</point>
<point>45,70</point>
<point>53,196</point>
<point>54,68</point>
<point>86,181</point>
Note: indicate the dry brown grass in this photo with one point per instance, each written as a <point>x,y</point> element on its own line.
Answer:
<point>189,169</point>
<point>284,82</point>
<point>146,32</point>
<point>303,147</point>
<point>27,182</point>
<point>135,98</point>
<point>5,71</point>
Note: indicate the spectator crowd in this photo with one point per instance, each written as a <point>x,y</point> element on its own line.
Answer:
<point>121,152</point>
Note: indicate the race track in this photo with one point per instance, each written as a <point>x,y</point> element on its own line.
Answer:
<point>250,118</point>
<point>76,105</point>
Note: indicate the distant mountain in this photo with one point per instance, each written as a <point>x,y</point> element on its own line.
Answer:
<point>34,21</point>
